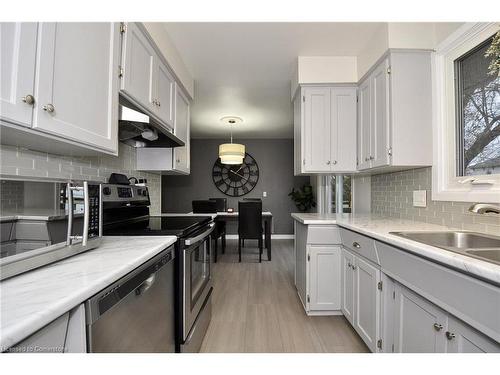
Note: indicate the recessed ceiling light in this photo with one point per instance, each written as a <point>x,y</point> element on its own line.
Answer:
<point>231,120</point>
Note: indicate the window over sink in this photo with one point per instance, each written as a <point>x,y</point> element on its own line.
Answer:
<point>466,116</point>
<point>478,112</point>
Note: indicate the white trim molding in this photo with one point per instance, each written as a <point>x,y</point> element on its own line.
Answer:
<point>446,185</point>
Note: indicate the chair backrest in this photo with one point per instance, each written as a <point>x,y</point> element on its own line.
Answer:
<point>250,219</point>
<point>221,204</point>
<point>204,207</point>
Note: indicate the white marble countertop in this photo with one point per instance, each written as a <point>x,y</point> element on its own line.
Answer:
<point>30,301</point>
<point>379,227</point>
<point>42,214</point>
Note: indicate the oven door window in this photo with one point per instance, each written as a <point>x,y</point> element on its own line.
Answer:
<point>200,270</point>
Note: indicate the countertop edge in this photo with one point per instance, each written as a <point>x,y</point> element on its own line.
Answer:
<point>15,333</point>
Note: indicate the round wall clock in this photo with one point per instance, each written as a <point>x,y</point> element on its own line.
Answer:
<point>236,180</point>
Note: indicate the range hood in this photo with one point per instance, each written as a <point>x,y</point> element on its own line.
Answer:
<point>140,130</point>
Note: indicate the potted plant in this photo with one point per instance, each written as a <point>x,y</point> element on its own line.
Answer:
<point>303,198</point>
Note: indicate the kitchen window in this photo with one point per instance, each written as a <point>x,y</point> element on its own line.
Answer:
<point>347,193</point>
<point>478,113</point>
<point>466,120</point>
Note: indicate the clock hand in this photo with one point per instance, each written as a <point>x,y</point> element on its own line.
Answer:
<point>239,169</point>
<point>236,173</point>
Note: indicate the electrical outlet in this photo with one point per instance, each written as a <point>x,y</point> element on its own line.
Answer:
<point>264,194</point>
<point>419,198</point>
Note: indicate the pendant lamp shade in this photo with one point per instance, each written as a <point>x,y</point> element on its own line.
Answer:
<point>231,153</point>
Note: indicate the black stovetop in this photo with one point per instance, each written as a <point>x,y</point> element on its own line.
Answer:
<point>180,226</point>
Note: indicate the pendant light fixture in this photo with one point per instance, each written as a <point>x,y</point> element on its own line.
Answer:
<point>231,153</point>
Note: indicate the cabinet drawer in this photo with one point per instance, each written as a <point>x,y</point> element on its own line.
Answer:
<point>362,245</point>
<point>323,235</point>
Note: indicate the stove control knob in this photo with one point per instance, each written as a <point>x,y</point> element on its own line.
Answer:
<point>106,190</point>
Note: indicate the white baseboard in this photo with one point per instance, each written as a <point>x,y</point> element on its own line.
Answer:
<point>273,236</point>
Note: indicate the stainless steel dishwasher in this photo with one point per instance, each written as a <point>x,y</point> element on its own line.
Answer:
<point>136,313</point>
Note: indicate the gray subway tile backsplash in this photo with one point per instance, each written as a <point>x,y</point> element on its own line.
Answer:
<point>19,163</point>
<point>392,195</point>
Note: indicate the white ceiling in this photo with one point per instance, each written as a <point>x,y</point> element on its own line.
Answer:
<point>244,69</point>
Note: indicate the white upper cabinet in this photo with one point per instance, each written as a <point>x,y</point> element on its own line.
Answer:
<point>395,112</point>
<point>17,75</point>
<point>325,130</point>
<point>164,97</point>
<point>182,131</point>
<point>343,129</point>
<point>76,85</point>
<point>59,87</point>
<point>138,56</point>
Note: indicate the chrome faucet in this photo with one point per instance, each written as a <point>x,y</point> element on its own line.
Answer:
<point>484,208</point>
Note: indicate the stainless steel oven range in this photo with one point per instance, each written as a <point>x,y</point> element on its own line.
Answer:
<point>126,213</point>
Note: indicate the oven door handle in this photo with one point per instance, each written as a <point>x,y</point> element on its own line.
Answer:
<point>193,240</point>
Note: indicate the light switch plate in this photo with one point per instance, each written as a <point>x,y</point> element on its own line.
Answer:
<point>264,194</point>
<point>419,198</point>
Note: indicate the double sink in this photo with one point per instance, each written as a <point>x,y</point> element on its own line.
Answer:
<point>476,245</point>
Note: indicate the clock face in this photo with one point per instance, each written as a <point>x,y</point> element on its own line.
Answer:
<point>236,180</point>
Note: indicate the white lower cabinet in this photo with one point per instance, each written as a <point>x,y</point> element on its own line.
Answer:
<point>361,296</point>
<point>324,278</point>
<point>347,285</point>
<point>418,325</point>
<point>318,258</point>
<point>462,338</point>
<point>65,334</point>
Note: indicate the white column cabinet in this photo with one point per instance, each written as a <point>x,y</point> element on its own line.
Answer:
<point>364,121</point>
<point>76,88</point>
<point>324,274</point>
<point>325,129</point>
<point>17,75</point>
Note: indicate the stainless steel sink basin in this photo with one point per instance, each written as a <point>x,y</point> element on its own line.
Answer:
<point>476,245</point>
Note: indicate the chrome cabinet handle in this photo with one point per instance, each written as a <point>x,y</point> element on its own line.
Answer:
<point>438,327</point>
<point>366,159</point>
<point>328,162</point>
<point>354,267</point>
<point>159,104</point>
<point>48,108</point>
<point>28,99</point>
<point>178,160</point>
<point>371,157</point>
<point>356,245</point>
<point>148,283</point>
<point>449,335</point>
<point>335,162</point>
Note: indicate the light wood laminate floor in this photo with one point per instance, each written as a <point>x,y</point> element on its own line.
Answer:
<point>255,308</point>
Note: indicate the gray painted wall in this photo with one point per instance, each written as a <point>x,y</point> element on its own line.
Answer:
<point>275,160</point>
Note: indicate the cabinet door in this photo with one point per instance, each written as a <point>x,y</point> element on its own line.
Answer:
<point>343,129</point>
<point>462,338</point>
<point>164,88</point>
<point>364,124</point>
<point>347,285</point>
<point>317,129</point>
<point>419,325</point>
<point>138,58</point>
<point>324,278</point>
<point>77,77</point>
<point>367,302</point>
<point>17,74</point>
<point>380,115</point>
<point>182,131</point>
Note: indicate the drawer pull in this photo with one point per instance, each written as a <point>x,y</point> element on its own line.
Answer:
<point>438,327</point>
<point>449,335</point>
<point>356,245</point>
